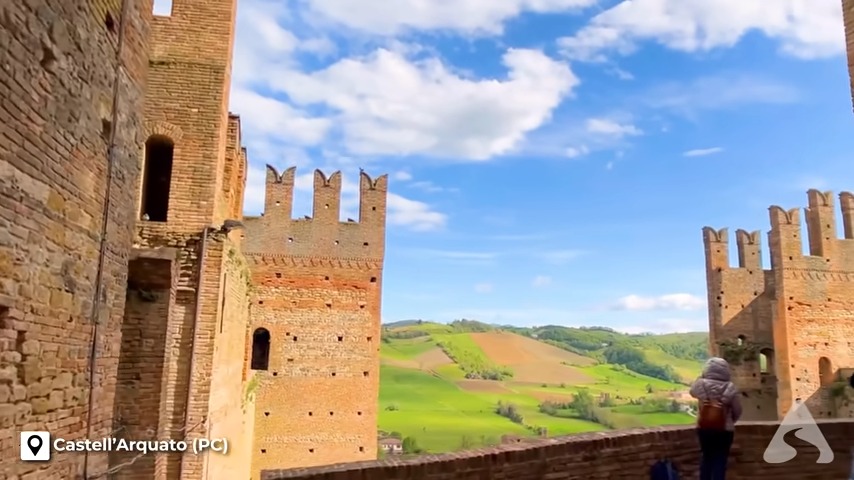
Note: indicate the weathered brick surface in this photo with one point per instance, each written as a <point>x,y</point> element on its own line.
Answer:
<point>72,77</point>
<point>848,18</point>
<point>317,291</point>
<point>800,312</point>
<point>605,456</point>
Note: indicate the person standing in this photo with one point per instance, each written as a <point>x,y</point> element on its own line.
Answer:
<point>719,410</point>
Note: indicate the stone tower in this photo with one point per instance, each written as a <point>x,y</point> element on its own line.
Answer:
<point>788,330</point>
<point>187,304</point>
<point>315,317</point>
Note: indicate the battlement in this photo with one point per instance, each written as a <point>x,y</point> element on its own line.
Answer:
<point>820,218</point>
<point>748,245</point>
<point>785,234</point>
<point>322,234</point>
<point>278,201</point>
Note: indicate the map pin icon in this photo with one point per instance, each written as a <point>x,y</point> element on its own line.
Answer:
<point>35,444</point>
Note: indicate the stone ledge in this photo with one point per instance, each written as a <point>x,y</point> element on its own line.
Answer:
<point>623,454</point>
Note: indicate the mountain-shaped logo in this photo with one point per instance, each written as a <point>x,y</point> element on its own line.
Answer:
<point>800,420</point>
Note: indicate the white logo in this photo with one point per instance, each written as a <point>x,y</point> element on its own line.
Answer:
<point>800,420</point>
<point>35,446</point>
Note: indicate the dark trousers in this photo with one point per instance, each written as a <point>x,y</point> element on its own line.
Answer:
<point>714,446</point>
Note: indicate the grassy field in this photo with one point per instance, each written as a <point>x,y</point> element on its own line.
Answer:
<point>446,405</point>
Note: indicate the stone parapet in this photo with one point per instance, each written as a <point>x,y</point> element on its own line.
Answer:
<point>625,454</point>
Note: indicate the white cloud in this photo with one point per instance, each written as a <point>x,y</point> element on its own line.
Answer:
<point>483,288</point>
<point>667,325</point>
<point>805,28</point>
<point>702,152</point>
<point>402,176</point>
<point>674,301</point>
<point>541,281</point>
<point>387,104</point>
<point>418,216</point>
<point>266,116</point>
<point>466,16</point>
<point>575,152</point>
<point>611,128</point>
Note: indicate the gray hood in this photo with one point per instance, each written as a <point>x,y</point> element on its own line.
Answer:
<point>716,368</point>
<point>714,383</point>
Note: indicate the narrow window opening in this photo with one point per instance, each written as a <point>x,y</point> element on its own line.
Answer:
<point>333,374</point>
<point>163,8</point>
<point>110,23</point>
<point>370,339</point>
<point>740,340</point>
<point>374,209</point>
<point>766,361</point>
<point>157,178</point>
<point>359,413</point>
<point>266,414</point>
<point>261,349</point>
<point>310,450</point>
<point>278,275</point>
<point>825,371</point>
<point>295,338</point>
<point>340,338</point>
<point>222,304</point>
<point>361,449</point>
<point>365,374</point>
<point>373,279</point>
<point>263,450</point>
<point>310,414</point>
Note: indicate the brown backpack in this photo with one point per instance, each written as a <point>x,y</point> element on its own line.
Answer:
<point>712,414</point>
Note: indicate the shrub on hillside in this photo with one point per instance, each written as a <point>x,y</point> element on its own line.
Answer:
<point>509,411</point>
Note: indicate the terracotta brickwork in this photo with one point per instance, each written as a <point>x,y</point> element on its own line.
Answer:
<point>72,87</point>
<point>848,18</point>
<point>799,313</point>
<point>627,455</point>
<point>193,149</point>
<point>317,293</point>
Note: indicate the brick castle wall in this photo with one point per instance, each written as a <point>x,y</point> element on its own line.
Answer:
<point>72,85</point>
<point>626,454</point>
<point>317,292</point>
<point>798,313</point>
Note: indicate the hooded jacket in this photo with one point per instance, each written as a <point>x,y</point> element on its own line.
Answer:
<point>715,384</point>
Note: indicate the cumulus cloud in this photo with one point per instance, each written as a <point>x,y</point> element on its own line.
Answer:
<point>402,176</point>
<point>575,152</point>
<point>382,17</point>
<point>674,301</point>
<point>702,152</point>
<point>387,104</point>
<point>804,28</point>
<point>483,288</point>
<point>541,281</point>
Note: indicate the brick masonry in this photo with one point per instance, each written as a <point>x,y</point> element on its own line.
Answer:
<point>317,291</point>
<point>799,313</point>
<point>72,82</point>
<point>626,455</point>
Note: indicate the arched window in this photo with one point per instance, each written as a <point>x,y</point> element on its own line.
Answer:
<point>825,371</point>
<point>766,360</point>
<point>156,178</point>
<point>260,349</point>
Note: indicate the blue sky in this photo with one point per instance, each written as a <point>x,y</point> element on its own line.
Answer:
<point>550,161</point>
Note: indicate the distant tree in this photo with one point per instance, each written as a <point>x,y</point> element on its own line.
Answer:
<point>411,446</point>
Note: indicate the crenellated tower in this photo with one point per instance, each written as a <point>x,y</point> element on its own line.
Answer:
<point>315,319</point>
<point>740,301</point>
<point>788,329</point>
